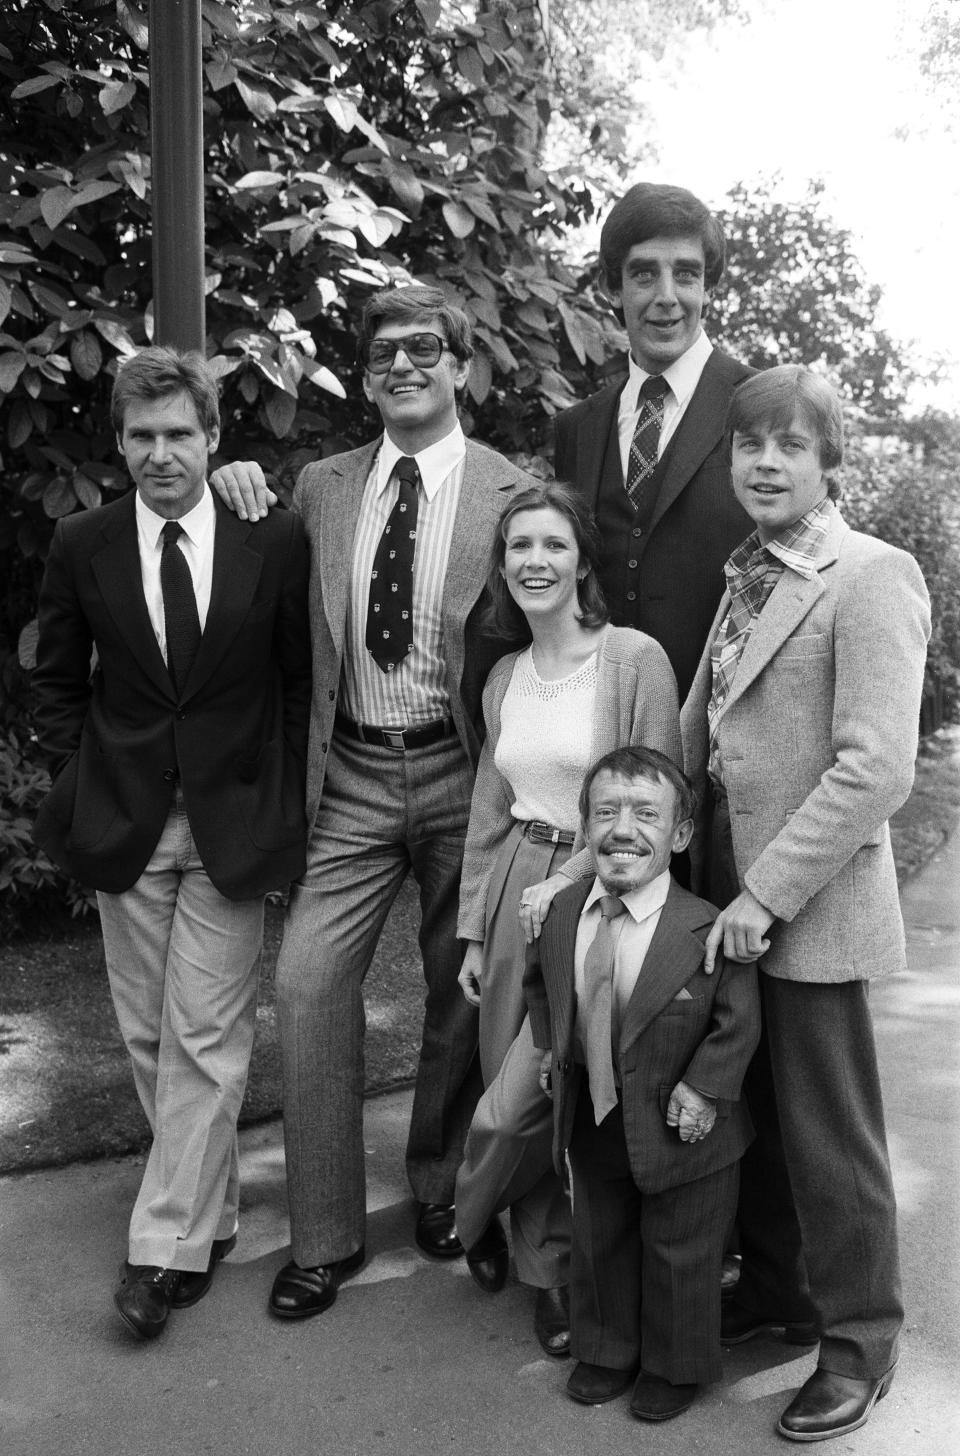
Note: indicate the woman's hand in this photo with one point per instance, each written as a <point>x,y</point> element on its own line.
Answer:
<point>536,901</point>
<point>546,1062</point>
<point>470,972</point>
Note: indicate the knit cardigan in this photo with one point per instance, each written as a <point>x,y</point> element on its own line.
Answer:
<point>636,703</point>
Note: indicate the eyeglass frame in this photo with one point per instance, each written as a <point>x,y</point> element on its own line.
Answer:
<point>397,345</point>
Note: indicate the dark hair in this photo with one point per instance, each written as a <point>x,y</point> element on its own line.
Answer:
<point>410,306</point>
<point>773,399</point>
<point>503,618</point>
<point>652,210</point>
<point>641,763</point>
<point>162,370</point>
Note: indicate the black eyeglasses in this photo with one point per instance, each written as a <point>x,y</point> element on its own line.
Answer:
<point>423,351</point>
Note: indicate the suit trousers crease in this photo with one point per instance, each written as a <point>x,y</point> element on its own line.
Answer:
<point>183,964</point>
<point>645,1267</point>
<point>508,1158</point>
<point>381,815</point>
<point>817,1214</point>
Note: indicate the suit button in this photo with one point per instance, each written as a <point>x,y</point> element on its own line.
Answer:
<point>631,596</point>
<point>636,531</point>
<point>180,716</point>
<point>331,694</point>
<point>632,565</point>
<point>169,774</point>
<point>323,747</point>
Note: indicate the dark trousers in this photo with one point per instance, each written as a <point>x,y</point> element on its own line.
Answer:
<point>645,1267</point>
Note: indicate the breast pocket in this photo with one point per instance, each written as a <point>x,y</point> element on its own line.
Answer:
<point>815,644</point>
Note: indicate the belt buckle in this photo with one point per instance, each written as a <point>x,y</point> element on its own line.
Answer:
<point>393,739</point>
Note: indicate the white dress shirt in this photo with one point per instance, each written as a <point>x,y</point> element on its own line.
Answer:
<point>196,543</point>
<point>682,376</point>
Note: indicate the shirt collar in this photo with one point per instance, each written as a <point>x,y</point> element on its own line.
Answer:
<point>682,376</point>
<point>435,463</point>
<point>797,546</point>
<point>640,903</point>
<point>195,524</point>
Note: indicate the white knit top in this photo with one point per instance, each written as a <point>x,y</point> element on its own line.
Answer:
<point>546,736</point>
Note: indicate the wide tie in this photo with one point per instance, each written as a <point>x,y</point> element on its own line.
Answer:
<point>180,616</point>
<point>390,607</point>
<point>596,1008</point>
<point>642,461</point>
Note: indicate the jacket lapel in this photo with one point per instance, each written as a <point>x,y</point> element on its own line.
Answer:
<point>116,568</point>
<point>560,931</point>
<point>674,955</point>
<point>340,512</point>
<point>601,422</point>
<point>697,434</point>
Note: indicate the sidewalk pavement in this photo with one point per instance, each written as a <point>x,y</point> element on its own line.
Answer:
<point>414,1360</point>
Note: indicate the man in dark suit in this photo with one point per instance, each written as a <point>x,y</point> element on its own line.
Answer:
<point>178,792</point>
<point>649,453</point>
<point>647,1055</point>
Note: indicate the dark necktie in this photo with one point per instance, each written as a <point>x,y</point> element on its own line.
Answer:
<point>642,461</point>
<point>596,1009</point>
<point>180,617</point>
<point>390,606</point>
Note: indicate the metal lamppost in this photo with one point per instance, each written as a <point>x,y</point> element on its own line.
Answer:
<point>176,142</point>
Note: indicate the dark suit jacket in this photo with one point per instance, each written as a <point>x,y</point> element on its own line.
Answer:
<point>706,1039</point>
<point>237,734</point>
<point>697,521</point>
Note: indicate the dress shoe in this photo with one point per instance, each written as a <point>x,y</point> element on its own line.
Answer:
<point>298,1293</point>
<point>194,1284</point>
<point>656,1399</point>
<point>729,1275</point>
<point>489,1259</point>
<point>738,1324</point>
<point>551,1322</point>
<point>831,1405</point>
<point>596,1384</point>
<point>435,1233</point>
<point>144,1297</point>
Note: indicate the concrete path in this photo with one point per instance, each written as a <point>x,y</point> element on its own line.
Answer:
<point>414,1360</point>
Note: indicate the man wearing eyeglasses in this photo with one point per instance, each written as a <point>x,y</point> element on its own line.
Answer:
<point>400,533</point>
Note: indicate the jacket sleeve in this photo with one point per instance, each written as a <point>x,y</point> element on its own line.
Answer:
<point>490,818</point>
<point>719,1064</point>
<point>61,679</point>
<point>292,642</point>
<point>881,630</point>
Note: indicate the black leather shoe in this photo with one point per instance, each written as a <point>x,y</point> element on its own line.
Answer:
<point>144,1297</point>
<point>489,1259</point>
<point>656,1399</point>
<point>738,1324</point>
<point>596,1384</point>
<point>435,1232</point>
<point>194,1284</point>
<point>551,1322</point>
<point>831,1405</point>
<point>299,1293</point>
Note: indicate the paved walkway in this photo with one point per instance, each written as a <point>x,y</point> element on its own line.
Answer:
<point>414,1360</point>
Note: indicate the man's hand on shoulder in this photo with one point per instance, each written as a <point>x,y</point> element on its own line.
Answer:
<point>741,931</point>
<point>243,487</point>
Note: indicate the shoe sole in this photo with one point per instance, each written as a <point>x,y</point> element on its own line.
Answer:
<point>792,1334</point>
<point>808,1436</point>
<point>348,1267</point>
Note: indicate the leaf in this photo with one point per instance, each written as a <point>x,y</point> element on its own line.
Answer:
<point>35,84</point>
<point>86,354</point>
<point>115,95</point>
<point>221,366</point>
<point>281,411</point>
<point>480,377</point>
<point>134,22</point>
<point>220,73</point>
<point>572,330</point>
<point>251,181</point>
<point>27,645</point>
<point>320,375</point>
<point>257,100</point>
<point>429,13</point>
<point>115,334</point>
<point>6,294</point>
<point>470,66</point>
<point>14,253</point>
<point>19,426</point>
<point>342,110</point>
<point>55,204</point>
<point>405,184</point>
<point>459,220</point>
<point>11,367</point>
<point>50,300</point>
<point>59,497</point>
<point>86,490</point>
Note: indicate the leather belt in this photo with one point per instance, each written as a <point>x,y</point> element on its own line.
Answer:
<point>542,833</point>
<point>398,740</point>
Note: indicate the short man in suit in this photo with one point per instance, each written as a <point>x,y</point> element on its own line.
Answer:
<point>646,1057</point>
<point>801,731</point>
<point>649,453</point>
<point>394,741</point>
<point>179,770</point>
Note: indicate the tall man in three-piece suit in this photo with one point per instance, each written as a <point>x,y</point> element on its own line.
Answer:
<point>649,453</point>
<point>394,740</point>
<point>801,733</point>
<point>179,769</point>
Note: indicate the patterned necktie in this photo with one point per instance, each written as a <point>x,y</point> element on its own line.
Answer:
<point>180,617</point>
<point>596,1008</point>
<point>646,437</point>
<point>390,607</point>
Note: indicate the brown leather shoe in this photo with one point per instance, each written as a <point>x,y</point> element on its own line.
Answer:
<point>435,1232</point>
<point>551,1322</point>
<point>489,1258</point>
<point>144,1297</point>
<point>195,1283</point>
<point>299,1293</point>
<point>596,1384</point>
<point>831,1405</point>
<point>656,1399</point>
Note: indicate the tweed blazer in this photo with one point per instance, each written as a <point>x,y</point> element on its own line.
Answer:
<point>636,703</point>
<point>679,1025</point>
<point>818,738</point>
<point>328,496</point>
